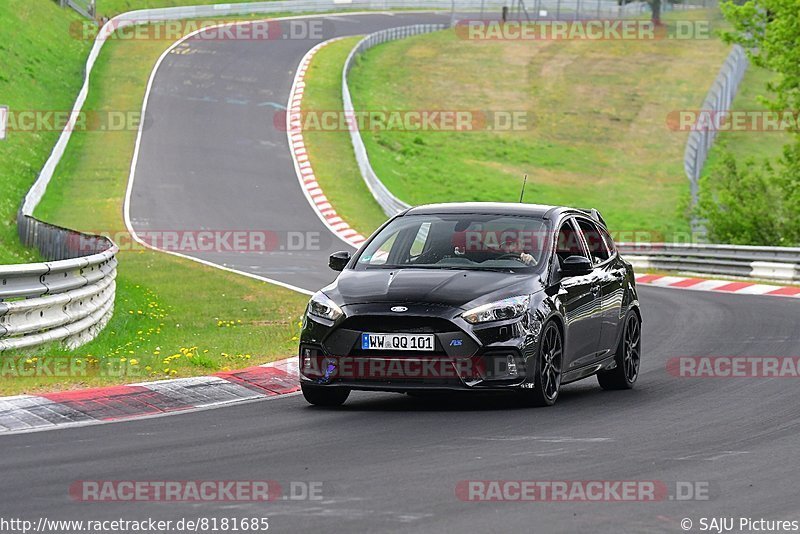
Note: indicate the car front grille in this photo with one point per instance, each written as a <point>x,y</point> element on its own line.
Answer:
<point>387,324</point>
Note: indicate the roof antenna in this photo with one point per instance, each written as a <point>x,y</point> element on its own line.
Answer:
<point>524,181</point>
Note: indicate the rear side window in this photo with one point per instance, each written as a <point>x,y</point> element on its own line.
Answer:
<point>595,241</point>
<point>612,248</point>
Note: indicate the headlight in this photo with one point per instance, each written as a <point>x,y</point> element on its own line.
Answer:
<point>509,308</point>
<point>321,306</point>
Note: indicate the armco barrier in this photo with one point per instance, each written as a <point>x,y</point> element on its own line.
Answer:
<point>390,204</point>
<point>762,263</point>
<point>69,299</point>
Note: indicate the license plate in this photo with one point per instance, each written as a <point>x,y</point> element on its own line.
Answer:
<point>397,342</point>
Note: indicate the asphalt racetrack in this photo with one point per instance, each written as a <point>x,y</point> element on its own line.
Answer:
<point>211,158</point>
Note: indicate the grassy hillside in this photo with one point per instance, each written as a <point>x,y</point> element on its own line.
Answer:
<point>598,135</point>
<point>41,68</point>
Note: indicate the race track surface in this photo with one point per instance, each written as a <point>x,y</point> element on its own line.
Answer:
<point>212,156</point>
<point>390,462</point>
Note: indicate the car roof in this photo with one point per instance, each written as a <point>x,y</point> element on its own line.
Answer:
<point>494,208</point>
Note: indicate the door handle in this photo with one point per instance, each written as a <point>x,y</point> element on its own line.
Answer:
<point>595,290</point>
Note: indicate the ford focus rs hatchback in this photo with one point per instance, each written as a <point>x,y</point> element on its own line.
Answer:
<point>475,296</point>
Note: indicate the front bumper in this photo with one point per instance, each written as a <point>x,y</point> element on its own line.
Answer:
<point>495,356</point>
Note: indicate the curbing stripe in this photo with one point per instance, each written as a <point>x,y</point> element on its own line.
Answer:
<point>305,173</point>
<point>264,380</point>
<point>24,413</point>
<point>720,286</point>
<point>202,391</point>
<point>786,292</point>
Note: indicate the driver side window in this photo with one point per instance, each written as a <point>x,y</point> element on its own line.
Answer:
<point>569,242</point>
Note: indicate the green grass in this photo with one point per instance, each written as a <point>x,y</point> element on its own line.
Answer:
<point>598,139</point>
<point>41,68</point>
<point>199,319</point>
<point>331,152</point>
<point>110,8</point>
<point>749,144</point>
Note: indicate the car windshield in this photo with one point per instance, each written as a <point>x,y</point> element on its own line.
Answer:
<point>458,241</point>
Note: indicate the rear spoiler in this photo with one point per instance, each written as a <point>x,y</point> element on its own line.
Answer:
<point>595,215</point>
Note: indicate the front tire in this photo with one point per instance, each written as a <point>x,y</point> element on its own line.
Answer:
<point>628,357</point>
<point>324,395</point>
<point>548,368</point>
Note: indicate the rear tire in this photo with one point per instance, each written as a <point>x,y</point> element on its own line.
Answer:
<point>628,357</point>
<point>324,395</point>
<point>548,368</point>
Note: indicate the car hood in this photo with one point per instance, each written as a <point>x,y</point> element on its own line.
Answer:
<point>435,286</point>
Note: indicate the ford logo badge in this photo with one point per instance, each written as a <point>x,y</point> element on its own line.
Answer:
<point>399,309</point>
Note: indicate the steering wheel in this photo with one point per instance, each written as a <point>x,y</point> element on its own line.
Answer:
<point>508,256</point>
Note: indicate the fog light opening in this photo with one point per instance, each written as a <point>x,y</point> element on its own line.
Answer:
<point>511,365</point>
<point>503,366</point>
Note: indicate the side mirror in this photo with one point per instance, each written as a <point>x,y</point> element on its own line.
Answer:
<point>576,266</point>
<point>339,260</point>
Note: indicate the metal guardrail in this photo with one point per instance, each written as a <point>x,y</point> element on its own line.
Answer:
<point>763,263</point>
<point>85,8</point>
<point>718,100</point>
<point>69,299</point>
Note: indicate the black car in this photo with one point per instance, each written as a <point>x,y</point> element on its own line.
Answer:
<point>475,296</point>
